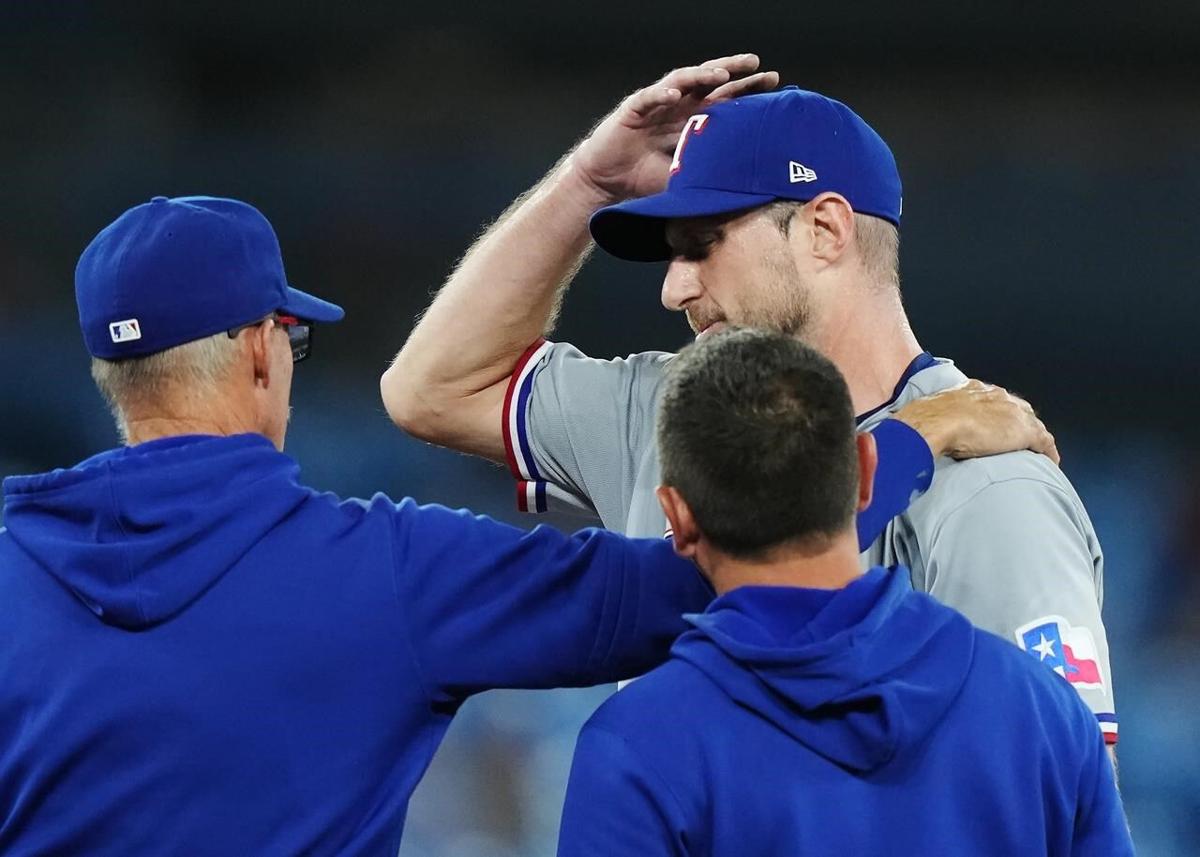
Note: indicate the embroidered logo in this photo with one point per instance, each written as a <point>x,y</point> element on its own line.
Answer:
<point>694,125</point>
<point>125,331</point>
<point>797,172</point>
<point>1069,651</point>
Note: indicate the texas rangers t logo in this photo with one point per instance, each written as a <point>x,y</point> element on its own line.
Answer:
<point>694,125</point>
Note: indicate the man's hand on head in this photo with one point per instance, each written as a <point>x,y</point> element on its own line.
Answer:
<point>978,419</point>
<point>628,154</point>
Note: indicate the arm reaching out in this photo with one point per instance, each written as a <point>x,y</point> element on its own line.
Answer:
<point>447,384</point>
<point>487,605</point>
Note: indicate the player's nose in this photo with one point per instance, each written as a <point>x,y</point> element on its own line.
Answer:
<point>681,285</point>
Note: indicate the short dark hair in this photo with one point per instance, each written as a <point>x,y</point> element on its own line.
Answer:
<point>756,431</point>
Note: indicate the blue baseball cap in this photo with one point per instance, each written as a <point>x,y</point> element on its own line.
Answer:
<point>173,270</point>
<point>740,154</point>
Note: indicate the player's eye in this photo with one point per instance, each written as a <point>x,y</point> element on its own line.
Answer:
<point>697,247</point>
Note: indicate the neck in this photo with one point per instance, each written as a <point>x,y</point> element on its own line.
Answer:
<point>156,428</point>
<point>831,566</point>
<point>868,337</point>
<point>186,417</point>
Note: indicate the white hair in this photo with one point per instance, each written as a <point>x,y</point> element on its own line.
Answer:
<point>150,380</point>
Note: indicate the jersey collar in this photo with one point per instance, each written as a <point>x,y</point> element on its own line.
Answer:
<point>919,363</point>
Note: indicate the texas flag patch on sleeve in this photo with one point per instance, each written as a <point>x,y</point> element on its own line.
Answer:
<point>1069,651</point>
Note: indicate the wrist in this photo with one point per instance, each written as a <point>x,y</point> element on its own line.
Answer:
<point>584,186</point>
<point>934,431</point>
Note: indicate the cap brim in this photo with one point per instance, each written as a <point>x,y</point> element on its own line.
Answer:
<point>311,308</point>
<point>636,230</point>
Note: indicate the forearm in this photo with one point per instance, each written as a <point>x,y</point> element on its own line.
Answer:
<point>447,384</point>
<point>502,296</point>
<point>487,605</point>
<point>658,589</point>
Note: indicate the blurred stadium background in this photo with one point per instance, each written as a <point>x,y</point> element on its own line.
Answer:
<point>1051,160</point>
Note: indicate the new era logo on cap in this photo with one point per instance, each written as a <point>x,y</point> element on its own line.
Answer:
<point>125,331</point>
<point>797,172</point>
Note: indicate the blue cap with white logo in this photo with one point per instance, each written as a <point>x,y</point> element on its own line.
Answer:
<point>170,271</point>
<point>740,154</point>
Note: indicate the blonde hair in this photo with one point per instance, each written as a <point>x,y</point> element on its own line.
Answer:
<point>199,365</point>
<point>879,248</point>
<point>877,239</point>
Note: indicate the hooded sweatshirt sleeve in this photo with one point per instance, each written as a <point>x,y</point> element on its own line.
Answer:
<point>1100,825</point>
<point>905,471</point>
<point>616,805</point>
<point>491,606</point>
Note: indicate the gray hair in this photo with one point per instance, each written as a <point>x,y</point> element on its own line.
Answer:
<point>199,365</point>
<point>877,239</point>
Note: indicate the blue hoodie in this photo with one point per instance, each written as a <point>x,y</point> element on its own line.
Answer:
<point>868,720</point>
<point>199,655</point>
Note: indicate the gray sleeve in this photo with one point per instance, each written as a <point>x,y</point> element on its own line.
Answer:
<point>1018,557</point>
<point>576,428</point>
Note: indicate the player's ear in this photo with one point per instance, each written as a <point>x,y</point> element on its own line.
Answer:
<point>679,519</point>
<point>260,350</point>
<point>868,460</point>
<point>832,226</point>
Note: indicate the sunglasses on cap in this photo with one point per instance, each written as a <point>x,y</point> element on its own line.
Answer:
<point>299,333</point>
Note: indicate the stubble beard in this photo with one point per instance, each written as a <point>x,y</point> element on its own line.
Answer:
<point>784,304</point>
<point>781,302</point>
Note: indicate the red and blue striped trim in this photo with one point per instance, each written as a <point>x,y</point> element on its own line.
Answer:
<point>1108,726</point>
<point>531,487</point>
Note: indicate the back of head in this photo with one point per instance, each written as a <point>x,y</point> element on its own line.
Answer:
<point>756,432</point>
<point>194,368</point>
<point>163,290</point>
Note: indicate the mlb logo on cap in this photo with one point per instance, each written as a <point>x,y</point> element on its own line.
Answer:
<point>125,331</point>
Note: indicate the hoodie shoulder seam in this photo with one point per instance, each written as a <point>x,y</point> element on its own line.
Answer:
<point>133,584</point>
<point>401,605</point>
<point>646,763</point>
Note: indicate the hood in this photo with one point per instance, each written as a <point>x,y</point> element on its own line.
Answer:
<point>854,674</point>
<point>141,532</point>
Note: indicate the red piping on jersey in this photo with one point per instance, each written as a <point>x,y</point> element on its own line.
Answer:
<point>509,454</point>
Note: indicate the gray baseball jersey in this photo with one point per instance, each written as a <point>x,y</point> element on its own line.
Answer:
<point>1003,539</point>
